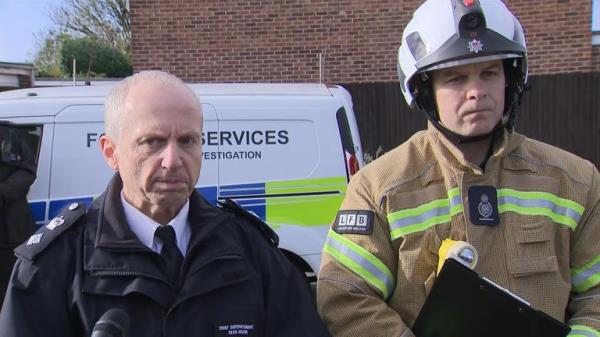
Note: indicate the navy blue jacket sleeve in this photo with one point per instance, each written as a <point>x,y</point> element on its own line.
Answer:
<point>291,310</point>
<point>289,305</point>
<point>36,302</point>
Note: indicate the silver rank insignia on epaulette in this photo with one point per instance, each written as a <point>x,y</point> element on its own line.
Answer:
<point>46,234</point>
<point>35,239</point>
<point>59,220</point>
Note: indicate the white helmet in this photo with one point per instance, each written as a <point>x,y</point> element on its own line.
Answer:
<point>447,33</point>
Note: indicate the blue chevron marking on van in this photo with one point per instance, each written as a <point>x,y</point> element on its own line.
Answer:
<point>209,193</point>
<point>38,211</point>
<point>242,189</point>
<point>243,186</point>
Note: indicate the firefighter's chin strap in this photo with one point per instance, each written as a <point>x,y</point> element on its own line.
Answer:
<point>460,139</point>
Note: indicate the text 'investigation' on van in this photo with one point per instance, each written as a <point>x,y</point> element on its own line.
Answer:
<point>284,151</point>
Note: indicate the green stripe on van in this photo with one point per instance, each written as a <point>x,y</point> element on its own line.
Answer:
<point>305,202</point>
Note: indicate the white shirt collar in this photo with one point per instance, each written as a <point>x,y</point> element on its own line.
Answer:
<point>144,227</point>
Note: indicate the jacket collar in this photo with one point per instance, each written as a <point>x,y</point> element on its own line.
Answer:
<point>448,155</point>
<point>113,249</point>
<point>114,233</point>
<point>211,236</point>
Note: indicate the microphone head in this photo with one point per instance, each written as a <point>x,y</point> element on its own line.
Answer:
<point>113,323</point>
<point>461,251</point>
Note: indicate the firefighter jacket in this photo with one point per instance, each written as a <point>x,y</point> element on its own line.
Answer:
<point>542,242</point>
<point>83,263</point>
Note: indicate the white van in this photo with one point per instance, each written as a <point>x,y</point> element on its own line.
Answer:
<point>284,151</point>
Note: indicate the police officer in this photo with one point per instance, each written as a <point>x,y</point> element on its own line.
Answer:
<point>151,245</point>
<point>532,211</point>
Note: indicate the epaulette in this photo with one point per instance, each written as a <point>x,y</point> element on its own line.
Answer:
<point>266,231</point>
<point>47,233</point>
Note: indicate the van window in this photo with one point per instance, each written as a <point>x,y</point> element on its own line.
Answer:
<point>20,144</point>
<point>347,143</point>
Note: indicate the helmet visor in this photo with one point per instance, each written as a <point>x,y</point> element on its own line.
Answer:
<point>459,50</point>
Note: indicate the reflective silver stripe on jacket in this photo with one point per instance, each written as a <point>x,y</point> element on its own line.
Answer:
<point>425,216</point>
<point>361,262</point>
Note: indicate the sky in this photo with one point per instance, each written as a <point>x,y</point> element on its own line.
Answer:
<point>596,15</point>
<point>21,19</point>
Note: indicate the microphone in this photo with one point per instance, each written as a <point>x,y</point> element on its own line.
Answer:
<point>113,323</point>
<point>461,251</point>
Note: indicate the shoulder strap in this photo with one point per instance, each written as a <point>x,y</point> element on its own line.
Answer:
<point>48,233</point>
<point>267,232</point>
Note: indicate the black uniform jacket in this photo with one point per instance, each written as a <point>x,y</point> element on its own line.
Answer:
<point>236,283</point>
<point>16,222</point>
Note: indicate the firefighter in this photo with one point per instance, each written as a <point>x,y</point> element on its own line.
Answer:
<point>532,211</point>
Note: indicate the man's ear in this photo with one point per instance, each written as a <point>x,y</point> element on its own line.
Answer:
<point>108,149</point>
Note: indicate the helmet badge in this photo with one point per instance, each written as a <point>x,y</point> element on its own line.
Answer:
<point>475,46</point>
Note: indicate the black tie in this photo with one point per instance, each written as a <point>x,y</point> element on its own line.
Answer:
<point>171,254</point>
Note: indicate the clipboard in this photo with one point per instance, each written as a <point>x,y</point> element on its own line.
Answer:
<point>463,304</point>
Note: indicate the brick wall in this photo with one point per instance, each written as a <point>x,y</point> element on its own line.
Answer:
<point>596,58</point>
<point>558,33</point>
<point>280,41</point>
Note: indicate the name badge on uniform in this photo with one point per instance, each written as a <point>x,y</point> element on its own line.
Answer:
<point>483,205</point>
<point>235,329</point>
<point>354,222</point>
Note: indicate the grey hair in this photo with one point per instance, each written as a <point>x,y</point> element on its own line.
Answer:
<point>114,107</point>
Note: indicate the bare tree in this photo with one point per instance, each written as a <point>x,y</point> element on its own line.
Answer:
<point>47,58</point>
<point>101,20</point>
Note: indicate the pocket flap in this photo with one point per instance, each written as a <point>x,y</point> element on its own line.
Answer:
<point>532,265</point>
<point>533,232</point>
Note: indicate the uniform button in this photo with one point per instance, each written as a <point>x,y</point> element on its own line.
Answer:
<point>73,206</point>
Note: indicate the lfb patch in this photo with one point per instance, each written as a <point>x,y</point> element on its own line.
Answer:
<point>354,222</point>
